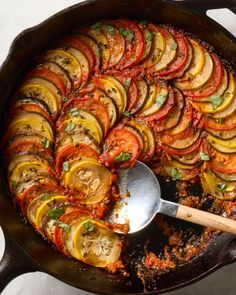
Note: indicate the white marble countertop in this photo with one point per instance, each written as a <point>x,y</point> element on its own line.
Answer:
<point>17,15</point>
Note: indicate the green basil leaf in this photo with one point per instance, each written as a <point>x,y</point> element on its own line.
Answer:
<point>46,143</point>
<point>223,186</point>
<point>127,84</point>
<point>220,120</point>
<point>127,114</point>
<point>96,25</point>
<point>110,30</point>
<point>55,213</point>
<point>65,99</point>
<point>127,33</point>
<point>161,99</point>
<point>204,156</point>
<point>216,101</point>
<point>89,226</point>
<point>143,22</point>
<point>70,127</point>
<point>66,166</point>
<point>46,197</point>
<point>63,225</point>
<point>74,112</point>
<point>175,174</point>
<point>123,157</point>
<point>173,46</point>
<point>150,36</point>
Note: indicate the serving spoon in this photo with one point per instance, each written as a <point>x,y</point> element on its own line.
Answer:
<point>144,201</point>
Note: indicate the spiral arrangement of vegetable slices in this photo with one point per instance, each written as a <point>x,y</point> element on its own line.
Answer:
<point>107,95</point>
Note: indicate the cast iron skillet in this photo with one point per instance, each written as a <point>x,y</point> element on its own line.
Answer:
<point>25,250</point>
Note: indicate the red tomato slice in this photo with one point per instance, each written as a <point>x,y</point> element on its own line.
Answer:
<point>164,110</point>
<point>210,87</point>
<point>67,218</point>
<point>25,105</point>
<point>227,123</point>
<point>132,92</point>
<point>186,151</point>
<point>181,56</point>
<point>29,146</point>
<point>95,107</point>
<point>50,76</point>
<point>221,162</point>
<point>134,40</point>
<point>72,152</point>
<point>120,141</point>
<point>81,45</point>
<point>39,189</point>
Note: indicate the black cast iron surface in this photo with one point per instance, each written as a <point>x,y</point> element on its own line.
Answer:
<point>25,250</point>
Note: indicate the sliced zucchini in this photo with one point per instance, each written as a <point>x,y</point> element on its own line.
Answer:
<point>68,62</point>
<point>29,123</point>
<point>143,90</point>
<point>90,178</point>
<point>200,79</point>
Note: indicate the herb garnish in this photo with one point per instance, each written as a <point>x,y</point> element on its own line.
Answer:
<point>216,101</point>
<point>161,99</point>
<point>63,225</point>
<point>127,84</point>
<point>46,143</point>
<point>127,114</point>
<point>173,46</point>
<point>89,226</point>
<point>55,213</point>
<point>110,30</point>
<point>70,127</point>
<point>204,156</point>
<point>74,112</point>
<point>123,157</point>
<point>66,166</point>
<point>223,186</point>
<point>175,174</point>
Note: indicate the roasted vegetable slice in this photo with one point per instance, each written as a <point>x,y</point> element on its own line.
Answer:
<point>89,178</point>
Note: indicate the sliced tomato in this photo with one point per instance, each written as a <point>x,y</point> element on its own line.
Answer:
<point>120,142</point>
<point>188,150</point>
<point>210,87</point>
<point>30,105</point>
<point>116,43</point>
<point>76,42</point>
<point>60,72</point>
<point>95,107</point>
<point>72,152</point>
<point>181,140</point>
<point>157,48</point>
<point>218,124</point>
<point>175,114</point>
<point>149,142</point>
<point>164,110</point>
<point>142,88</point>
<point>83,61</point>
<point>148,40</point>
<point>184,122</point>
<point>131,89</point>
<point>200,79</point>
<point>67,218</point>
<point>75,139</point>
<point>134,42</point>
<point>68,62</point>
<point>181,54</point>
<point>49,75</point>
<point>100,38</point>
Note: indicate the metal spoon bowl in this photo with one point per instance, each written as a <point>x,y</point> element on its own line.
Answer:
<point>143,201</point>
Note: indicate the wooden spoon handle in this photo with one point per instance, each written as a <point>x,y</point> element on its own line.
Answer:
<point>206,219</point>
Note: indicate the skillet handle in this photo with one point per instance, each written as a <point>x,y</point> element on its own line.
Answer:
<point>202,6</point>
<point>14,262</point>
